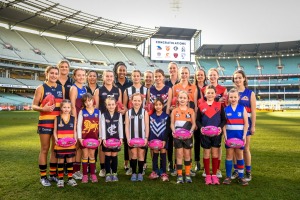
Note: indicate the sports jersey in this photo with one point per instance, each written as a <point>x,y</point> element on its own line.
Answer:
<point>88,124</point>
<point>142,90</point>
<point>220,91</point>
<point>111,126</point>
<point>80,93</point>
<point>183,118</point>
<point>46,119</point>
<point>234,122</point>
<point>159,126</point>
<point>136,123</point>
<point>163,93</point>
<point>104,93</point>
<point>245,100</point>
<point>210,115</point>
<point>89,90</point>
<point>65,129</point>
<point>169,83</point>
<point>190,89</point>
<point>123,87</point>
<point>68,84</point>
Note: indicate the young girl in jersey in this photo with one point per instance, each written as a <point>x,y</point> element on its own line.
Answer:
<point>137,126</point>
<point>211,113</point>
<point>159,127</point>
<point>112,127</point>
<point>248,100</point>
<point>76,93</point>
<point>236,127</point>
<point>88,126</point>
<point>183,117</point>
<point>65,126</point>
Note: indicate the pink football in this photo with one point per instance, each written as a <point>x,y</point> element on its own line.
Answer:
<point>137,142</point>
<point>235,143</point>
<point>156,144</point>
<point>90,143</point>
<point>113,143</point>
<point>210,131</point>
<point>66,142</point>
<point>182,134</point>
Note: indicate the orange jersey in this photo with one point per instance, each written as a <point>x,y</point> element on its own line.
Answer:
<point>190,89</point>
<point>183,118</point>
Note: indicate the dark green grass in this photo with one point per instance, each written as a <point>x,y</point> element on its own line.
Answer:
<point>275,156</point>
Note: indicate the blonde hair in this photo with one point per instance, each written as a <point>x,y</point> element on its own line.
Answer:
<point>47,70</point>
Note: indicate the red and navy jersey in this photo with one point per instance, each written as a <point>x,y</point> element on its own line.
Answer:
<point>220,92</point>
<point>163,93</point>
<point>235,122</point>
<point>104,93</point>
<point>245,100</point>
<point>46,119</point>
<point>78,102</point>
<point>136,123</point>
<point>90,124</point>
<point>65,129</point>
<point>159,126</point>
<point>111,125</point>
<point>211,115</point>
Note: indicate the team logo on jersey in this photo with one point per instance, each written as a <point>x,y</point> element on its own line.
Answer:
<point>245,98</point>
<point>71,125</point>
<point>85,115</point>
<point>177,115</point>
<point>107,121</point>
<point>59,93</point>
<point>96,115</point>
<point>104,93</point>
<point>239,114</point>
<point>141,116</point>
<point>111,130</point>
<point>131,117</point>
<point>229,114</point>
<point>204,110</point>
<point>188,116</point>
<point>90,125</point>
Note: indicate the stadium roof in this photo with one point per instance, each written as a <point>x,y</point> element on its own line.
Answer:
<point>47,16</point>
<point>276,48</point>
<point>175,33</point>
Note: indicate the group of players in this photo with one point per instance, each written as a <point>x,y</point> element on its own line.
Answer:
<point>83,109</point>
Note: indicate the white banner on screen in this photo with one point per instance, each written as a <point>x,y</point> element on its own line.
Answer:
<point>170,50</point>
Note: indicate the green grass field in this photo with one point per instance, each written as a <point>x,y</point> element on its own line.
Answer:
<point>275,157</point>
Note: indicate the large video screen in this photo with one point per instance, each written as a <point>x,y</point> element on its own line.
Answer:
<point>170,50</point>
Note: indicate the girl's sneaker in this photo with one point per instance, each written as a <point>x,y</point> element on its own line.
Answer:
<point>164,177</point>
<point>243,182</point>
<point>227,181</point>
<point>85,179</point>
<point>77,175</point>
<point>133,177</point>
<point>179,179</point>
<point>114,177</point>
<point>108,178</point>
<point>208,180</point>
<point>234,175</point>
<point>215,180</point>
<point>60,183</point>
<point>248,176</point>
<point>140,177</point>
<point>45,182</point>
<point>94,178</point>
<point>72,182</point>
<point>188,179</point>
<point>153,175</point>
<point>219,174</point>
<point>102,173</point>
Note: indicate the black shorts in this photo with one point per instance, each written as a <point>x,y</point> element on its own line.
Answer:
<point>209,142</point>
<point>144,147</point>
<point>62,156</point>
<point>186,144</point>
<point>105,149</point>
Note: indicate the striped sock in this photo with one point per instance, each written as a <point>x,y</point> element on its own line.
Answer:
<point>70,170</point>
<point>187,165</point>
<point>179,170</point>
<point>60,171</point>
<point>43,171</point>
<point>53,168</point>
<point>240,166</point>
<point>248,169</point>
<point>228,164</point>
<point>84,166</point>
<point>235,167</point>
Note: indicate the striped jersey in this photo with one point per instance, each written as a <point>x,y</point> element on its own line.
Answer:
<point>142,90</point>
<point>80,93</point>
<point>104,93</point>
<point>136,123</point>
<point>46,119</point>
<point>183,118</point>
<point>245,100</point>
<point>159,126</point>
<point>111,125</point>
<point>234,122</point>
<point>88,124</point>
<point>163,93</point>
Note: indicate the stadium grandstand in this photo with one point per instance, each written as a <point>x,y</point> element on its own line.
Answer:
<point>38,33</point>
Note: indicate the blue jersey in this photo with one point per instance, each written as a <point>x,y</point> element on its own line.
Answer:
<point>245,100</point>
<point>235,122</point>
<point>80,93</point>
<point>163,93</point>
<point>159,126</point>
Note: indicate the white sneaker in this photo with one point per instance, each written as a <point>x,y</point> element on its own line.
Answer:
<point>77,175</point>
<point>174,172</point>
<point>219,174</point>
<point>45,182</point>
<point>192,173</point>
<point>60,183</point>
<point>72,182</point>
<point>102,173</point>
<point>129,171</point>
<point>53,179</point>
<point>204,174</point>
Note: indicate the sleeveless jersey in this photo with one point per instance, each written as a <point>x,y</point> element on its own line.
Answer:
<point>89,90</point>
<point>104,93</point>
<point>234,122</point>
<point>163,93</point>
<point>158,126</point>
<point>90,124</point>
<point>46,119</point>
<point>245,100</point>
<point>111,126</point>
<point>220,91</point>
<point>183,118</point>
<point>190,89</point>
<point>142,90</point>
<point>68,84</point>
<point>65,129</point>
<point>78,102</point>
<point>136,123</point>
<point>211,115</point>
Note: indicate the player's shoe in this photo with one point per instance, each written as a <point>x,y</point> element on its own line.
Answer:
<point>108,178</point>
<point>85,179</point>
<point>60,183</point>
<point>53,179</point>
<point>192,173</point>
<point>140,177</point>
<point>215,180</point>
<point>114,177</point>
<point>133,177</point>
<point>243,181</point>
<point>248,176</point>
<point>102,173</point>
<point>227,181</point>
<point>174,172</point>
<point>77,175</point>
<point>234,175</point>
<point>164,177</point>
<point>129,171</point>
<point>45,182</point>
<point>94,178</point>
<point>188,179</point>
<point>203,174</point>
<point>219,174</point>
<point>179,179</point>
<point>72,182</point>
<point>198,166</point>
<point>208,180</point>
<point>153,175</point>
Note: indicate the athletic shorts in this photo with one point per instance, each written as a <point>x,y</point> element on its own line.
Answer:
<point>105,149</point>
<point>145,147</point>
<point>44,130</point>
<point>209,142</point>
<point>62,156</point>
<point>186,144</point>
